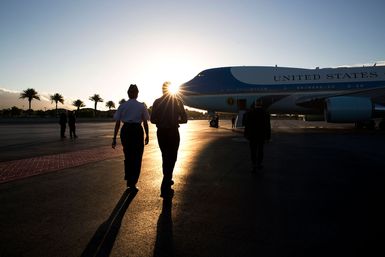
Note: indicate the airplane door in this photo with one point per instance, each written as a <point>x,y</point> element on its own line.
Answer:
<point>242,106</point>
<point>241,103</point>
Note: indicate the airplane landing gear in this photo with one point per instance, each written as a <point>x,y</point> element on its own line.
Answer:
<point>370,124</point>
<point>214,122</point>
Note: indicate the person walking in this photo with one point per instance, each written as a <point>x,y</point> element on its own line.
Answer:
<point>257,131</point>
<point>132,113</point>
<point>63,124</point>
<point>72,124</point>
<point>233,122</point>
<point>167,113</point>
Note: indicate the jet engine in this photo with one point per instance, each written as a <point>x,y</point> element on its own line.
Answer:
<point>346,109</point>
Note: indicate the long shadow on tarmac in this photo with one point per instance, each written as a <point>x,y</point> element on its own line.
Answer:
<point>320,194</point>
<point>164,245</point>
<point>103,240</point>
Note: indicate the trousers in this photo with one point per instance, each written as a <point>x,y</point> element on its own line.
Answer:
<point>131,136</point>
<point>256,151</point>
<point>62,130</point>
<point>168,140</point>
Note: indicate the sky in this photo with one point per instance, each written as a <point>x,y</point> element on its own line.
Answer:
<point>79,48</point>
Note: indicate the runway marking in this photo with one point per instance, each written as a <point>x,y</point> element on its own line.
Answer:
<point>18,169</point>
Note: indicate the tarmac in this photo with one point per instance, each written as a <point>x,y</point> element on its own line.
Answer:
<point>321,193</point>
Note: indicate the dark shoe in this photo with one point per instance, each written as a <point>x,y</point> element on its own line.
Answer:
<point>131,185</point>
<point>133,189</point>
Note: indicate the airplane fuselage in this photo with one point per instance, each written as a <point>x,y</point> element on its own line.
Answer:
<point>287,90</point>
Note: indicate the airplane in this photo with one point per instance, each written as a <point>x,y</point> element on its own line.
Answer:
<point>336,95</point>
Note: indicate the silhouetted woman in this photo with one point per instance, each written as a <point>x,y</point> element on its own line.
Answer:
<point>132,113</point>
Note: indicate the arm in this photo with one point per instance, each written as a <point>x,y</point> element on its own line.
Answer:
<point>116,130</point>
<point>268,126</point>
<point>154,113</point>
<point>245,123</point>
<point>182,113</point>
<point>145,118</point>
<point>145,125</point>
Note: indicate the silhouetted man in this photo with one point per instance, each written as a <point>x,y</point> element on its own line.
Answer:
<point>233,122</point>
<point>63,124</point>
<point>167,113</point>
<point>257,130</point>
<point>72,124</point>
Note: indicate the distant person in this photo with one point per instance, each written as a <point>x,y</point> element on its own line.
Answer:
<point>257,131</point>
<point>72,124</point>
<point>132,113</point>
<point>233,122</point>
<point>63,124</point>
<point>167,113</point>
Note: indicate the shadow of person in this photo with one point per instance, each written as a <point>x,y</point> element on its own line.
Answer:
<point>164,245</point>
<point>104,238</point>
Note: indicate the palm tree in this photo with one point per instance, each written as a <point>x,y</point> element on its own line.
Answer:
<point>57,98</point>
<point>31,94</point>
<point>122,101</point>
<point>96,98</point>
<point>110,104</point>
<point>78,103</point>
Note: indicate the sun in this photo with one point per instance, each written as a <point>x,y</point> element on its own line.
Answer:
<point>173,89</point>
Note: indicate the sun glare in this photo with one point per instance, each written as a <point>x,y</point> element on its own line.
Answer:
<point>173,89</point>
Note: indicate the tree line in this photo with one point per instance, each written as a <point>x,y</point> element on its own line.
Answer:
<point>31,94</point>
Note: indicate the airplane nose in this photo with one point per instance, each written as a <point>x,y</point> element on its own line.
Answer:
<point>186,92</point>
<point>186,89</point>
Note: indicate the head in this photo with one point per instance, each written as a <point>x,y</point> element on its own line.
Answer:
<point>165,87</point>
<point>133,91</point>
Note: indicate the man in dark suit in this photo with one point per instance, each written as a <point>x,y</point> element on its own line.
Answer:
<point>167,113</point>
<point>257,131</point>
<point>63,124</point>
